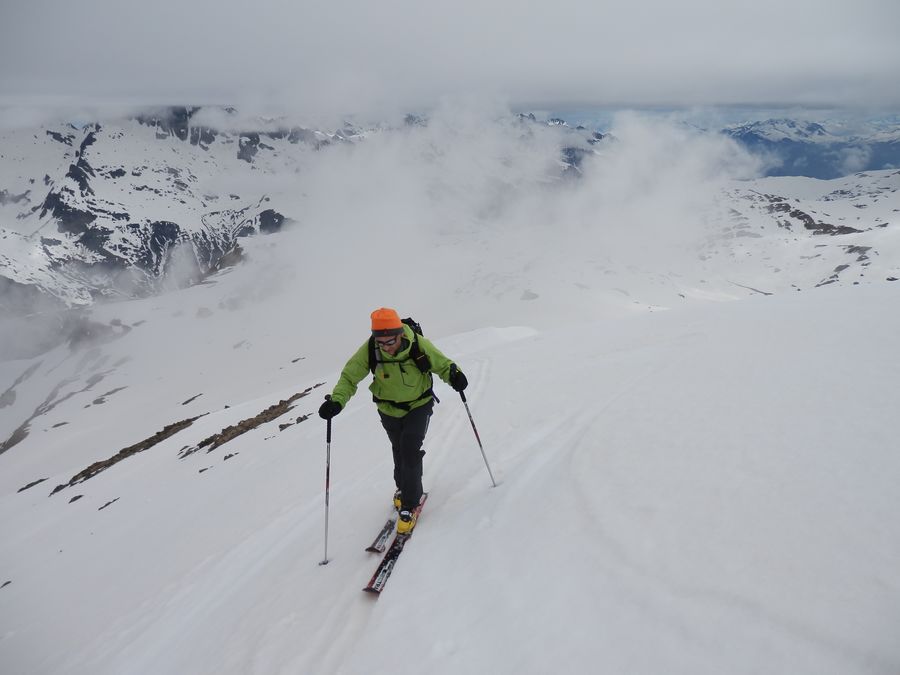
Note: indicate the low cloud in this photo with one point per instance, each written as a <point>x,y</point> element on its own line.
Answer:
<point>395,55</point>
<point>855,159</point>
<point>476,205</point>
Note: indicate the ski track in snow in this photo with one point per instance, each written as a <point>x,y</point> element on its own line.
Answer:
<point>613,557</point>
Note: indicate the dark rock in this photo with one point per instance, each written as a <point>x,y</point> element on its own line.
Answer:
<point>7,198</point>
<point>124,453</point>
<point>89,139</point>
<point>860,251</point>
<point>233,257</point>
<point>246,230</point>
<point>778,207</point>
<point>69,219</point>
<point>160,236</point>
<point>80,173</point>
<point>230,433</point>
<point>202,137</point>
<point>819,227</point>
<point>172,121</point>
<point>95,238</point>
<point>573,156</point>
<point>31,484</point>
<point>56,136</point>
<point>248,146</point>
<point>270,221</point>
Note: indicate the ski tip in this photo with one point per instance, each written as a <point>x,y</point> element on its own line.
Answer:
<point>372,591</point>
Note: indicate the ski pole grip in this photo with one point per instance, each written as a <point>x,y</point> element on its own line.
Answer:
<point>454,369</point>
<point>328,423</point>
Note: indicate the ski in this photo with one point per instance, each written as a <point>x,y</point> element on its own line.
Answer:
<point>380,543</point>
<point>386,566</point>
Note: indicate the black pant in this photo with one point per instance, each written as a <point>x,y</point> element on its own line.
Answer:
<point>407,434</point>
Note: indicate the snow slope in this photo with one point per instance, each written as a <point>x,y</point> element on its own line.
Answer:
<point>706,489</point>
<point>698,491</point>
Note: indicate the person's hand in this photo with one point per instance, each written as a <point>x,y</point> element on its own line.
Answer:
<point>329,409</point>
<point>457,379</point>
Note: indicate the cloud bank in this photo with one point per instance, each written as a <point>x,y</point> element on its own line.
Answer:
<point>354,55</point>
<point>471,211</point>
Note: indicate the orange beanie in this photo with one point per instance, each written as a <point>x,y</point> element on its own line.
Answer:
<point>386,321</point>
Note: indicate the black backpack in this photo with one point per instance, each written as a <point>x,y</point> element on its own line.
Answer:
<point>415,354</point>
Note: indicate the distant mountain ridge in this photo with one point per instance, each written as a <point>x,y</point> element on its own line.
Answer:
<point>164,198</point>
<point>811,149</point>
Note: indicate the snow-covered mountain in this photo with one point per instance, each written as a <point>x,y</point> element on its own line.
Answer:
<point>126,207</point>
<point>684,383</point>
<point>107,208</point>
<point>162,199</point>
<point>797,148</point>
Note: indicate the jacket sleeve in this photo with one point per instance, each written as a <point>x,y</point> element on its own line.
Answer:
<point>440,364</point>
<point>353,373</point>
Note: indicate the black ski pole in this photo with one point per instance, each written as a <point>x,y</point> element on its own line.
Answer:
<point>327,478</point>
<point>462,395</point>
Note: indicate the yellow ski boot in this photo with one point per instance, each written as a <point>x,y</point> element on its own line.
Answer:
<point>406,521</point>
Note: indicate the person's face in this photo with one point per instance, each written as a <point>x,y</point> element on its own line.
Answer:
<point>390,343</point>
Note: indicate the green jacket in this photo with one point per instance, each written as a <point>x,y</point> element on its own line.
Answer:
<point>397,378</point>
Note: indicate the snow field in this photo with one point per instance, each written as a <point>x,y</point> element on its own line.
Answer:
<point>708,490</point>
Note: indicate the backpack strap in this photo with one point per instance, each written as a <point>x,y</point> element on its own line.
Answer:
<point>373,357</point>
<point>419,357</point>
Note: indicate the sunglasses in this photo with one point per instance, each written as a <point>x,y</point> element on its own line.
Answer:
<point>388,342</point>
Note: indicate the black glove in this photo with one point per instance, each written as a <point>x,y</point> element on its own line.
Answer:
<point>329,409</point>
<point>457,380</point>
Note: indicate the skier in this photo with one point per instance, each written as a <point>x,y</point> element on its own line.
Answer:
<point>402,362</point>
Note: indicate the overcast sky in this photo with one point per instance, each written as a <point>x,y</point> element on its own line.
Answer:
<point>366,55</point>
